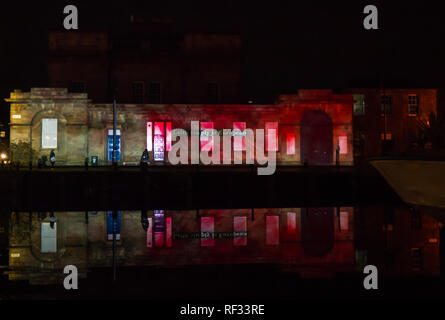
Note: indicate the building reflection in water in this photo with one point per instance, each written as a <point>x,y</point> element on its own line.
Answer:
<point>313,242</point>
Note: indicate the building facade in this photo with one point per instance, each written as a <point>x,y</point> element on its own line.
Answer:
<point>313,127</point>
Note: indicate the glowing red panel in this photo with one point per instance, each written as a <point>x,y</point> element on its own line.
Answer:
<point>240,225</point>
<point>272,230</point>
<point>159,239</point>
<point>168,139</point>
<point>290,142</point>
<point>344,221</point>
<point>207,230</point>
<point>343,143</point>
<point>291,223</point>
<point>149,136</point>
<point>270,135</point>
<point>159,128</point>
<point>150,233</point>
<point>239,136</point>
<point>206,136</point>
<point>168,226</point>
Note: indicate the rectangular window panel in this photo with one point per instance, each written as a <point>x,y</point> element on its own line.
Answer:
<point>168,232</point>
<point>413,105</point>
<point>344,221</point>
<point>291,223</point>
<point>150,233</point>
<point>110,145</point>
<point>168,132</point>
<point>343,143</point>
<point>272,230</point>
<point>159,140</point>
<point>207,230</point>
<point>149,136</point>
<point>240,230</point>
<point>49,133</point>
<point>138,88</point>
<point>48,238</point>
<point>290,140</point>
<point>239,136</point>
<point>206,136</point>
<point>154,92</point>
<point>270,126</point>
<point>110,225</point>
<point>359,104</point>
<point>159,227</point>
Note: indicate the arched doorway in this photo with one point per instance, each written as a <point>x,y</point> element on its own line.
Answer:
<point>317,231</point>
<point>316,138</point>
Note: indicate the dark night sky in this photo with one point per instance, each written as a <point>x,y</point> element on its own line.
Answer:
<point>287,45</point>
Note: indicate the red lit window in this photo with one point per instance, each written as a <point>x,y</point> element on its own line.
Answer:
<point>343,143</point>
<point>168,140</point>
<point>240,230</point>
<point>291,223</point>
<point>206,136</point>
<point>272,230</point>
<point>158,143</point>
<point>239,136</point>
<point>149,136</point>
<point>290,140</point>
<point>270,126</point>
<point>168,226</point>
<point>207,229</point>
<point>344,222</point>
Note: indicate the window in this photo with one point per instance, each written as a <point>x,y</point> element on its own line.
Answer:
<point>138,89</point>
<point>272,230</point>
<point>344,221</point>
<point>416,259</point>
<point>239,136</point>
<point>290,143</point>
<point>206,136</point>
<point>416,220</point>
<point>110,145</point>
<point>49,133</point>
<point>149,136</point>
<point>158,141</point>
<point>212,93</point>
<point>78,86</point>
<point>159,227</point>
<point>2,134</point>
<point>270,126</point>
<point>291,223</point>
<point>168,232</point>
<point>48,238</point>
<point>150,233</point>
<point>240,231</point>
<point>359,104</point>
<point>110,225</point>
<point>154,92</point>
<point>386,105</point>
<point>413,105</point>
<point>343,144</point>
<point>388,136</point>
<point>207,230</point>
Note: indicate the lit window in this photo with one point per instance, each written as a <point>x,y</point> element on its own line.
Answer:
<point>2,134</point>
<point>270,127</point>
<point>413,105</point>
<point>344,222</point>
<point>272,230</point>
<point>158,143</point>
<point>359,104</point>
<point>240,231</point>
<point>159,227</point>
<point>149,136</point>
<point>388,136</point>
<point>168,139</point>
<point>343,143</point>
<point>291,223</point>
<point>290,143</point>
<point>138,89</point>
<point>48,238</point>
<point>154,92</point>
<point>49,133</point>
<point>207,230</point>
<point>206,136</point>
<point>110,225</point>
<point>110,145</point>
<point>239,136</point>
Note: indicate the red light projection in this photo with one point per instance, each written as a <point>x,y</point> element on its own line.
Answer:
<point>149,136</point>
<point>240,225</point>
<point>343,143</point>
<point>344,222</point>
<point>239,136</point>
<point>168,140</point>
<point>272,230</point>
<point>207,230</point>
<point>291,223</point>
<point>168,226</point>
<point>159,141</point>
<point>269,135</point>
<point>290,143</point>
<point>206,136</point>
